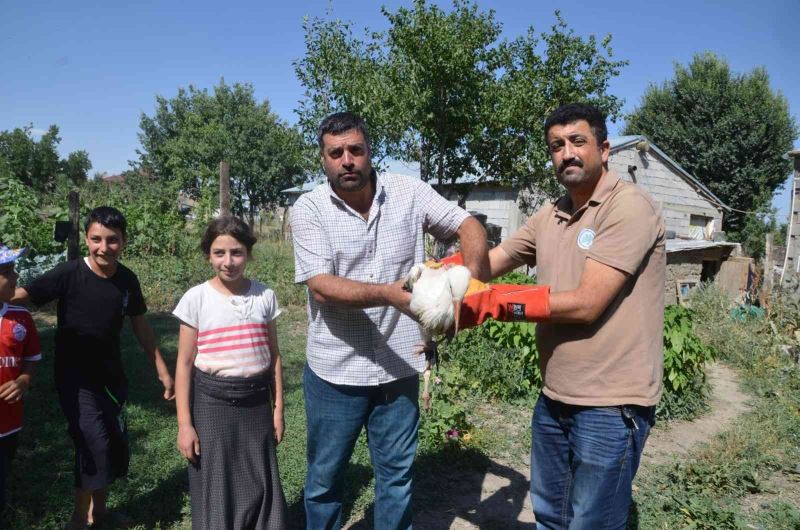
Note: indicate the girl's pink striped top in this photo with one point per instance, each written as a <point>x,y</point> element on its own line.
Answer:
<point>232,338</point>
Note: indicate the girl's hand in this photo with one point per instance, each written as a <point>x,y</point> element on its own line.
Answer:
<point>169,387</point>
<point>277,421</point>
<point>188,443</point>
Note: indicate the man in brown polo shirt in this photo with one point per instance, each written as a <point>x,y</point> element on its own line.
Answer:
<point>600,249</point>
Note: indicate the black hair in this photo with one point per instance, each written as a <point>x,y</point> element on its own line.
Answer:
<point>339,123</point>
<point>108,217</point>
<point>228,225</point>
<point>572,112</point>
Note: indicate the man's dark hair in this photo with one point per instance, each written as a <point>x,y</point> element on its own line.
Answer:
<point>228,225</point>
<point>108,217</point>
<point>572,112</point>
<point>340,123</point>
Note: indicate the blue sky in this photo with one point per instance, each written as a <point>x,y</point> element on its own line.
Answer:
<point>92,67</point>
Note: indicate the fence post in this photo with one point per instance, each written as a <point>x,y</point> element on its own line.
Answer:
<point>73,248</point>
<point>224,188</point>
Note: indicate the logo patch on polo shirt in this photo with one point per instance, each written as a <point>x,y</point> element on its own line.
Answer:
<point>586,238</point>
<point>517,311</point>
<point>19,332</point>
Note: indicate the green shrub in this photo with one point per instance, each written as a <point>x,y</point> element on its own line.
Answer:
<point>516,278</point>
<point>685,356</point>
<point>500,357</point>
<point>503,363</point>
<point>445,425</point>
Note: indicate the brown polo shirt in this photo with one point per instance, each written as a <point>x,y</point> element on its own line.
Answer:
<point>618,359</point>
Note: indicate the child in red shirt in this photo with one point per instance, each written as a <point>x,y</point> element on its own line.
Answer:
<point>19,352</point>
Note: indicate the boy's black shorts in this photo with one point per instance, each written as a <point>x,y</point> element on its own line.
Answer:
<point>8,448</point>
<point>99,434</point>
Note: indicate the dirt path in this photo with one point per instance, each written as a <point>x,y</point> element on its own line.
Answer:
<point>727,402</point>
<point>498,498</point>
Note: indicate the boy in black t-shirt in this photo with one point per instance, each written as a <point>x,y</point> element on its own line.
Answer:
<point>94,295</point>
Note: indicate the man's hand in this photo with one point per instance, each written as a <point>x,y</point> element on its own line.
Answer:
<point>399,297</point>
<point>169,386</point>
<point>12,391</point>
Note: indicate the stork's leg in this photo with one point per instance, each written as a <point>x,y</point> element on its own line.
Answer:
<point>427,345</point>
<point>430,360</point>
<point>426,395</point>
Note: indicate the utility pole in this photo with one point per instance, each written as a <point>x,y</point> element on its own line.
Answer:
<point>224,188</point>
<point>791,263</point>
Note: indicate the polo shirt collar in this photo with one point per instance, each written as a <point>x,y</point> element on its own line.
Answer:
<point>604,187</point>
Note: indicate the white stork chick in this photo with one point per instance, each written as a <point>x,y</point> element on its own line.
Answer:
<point>436,295</point>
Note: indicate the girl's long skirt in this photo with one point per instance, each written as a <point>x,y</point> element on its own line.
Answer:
<point>235,483</point>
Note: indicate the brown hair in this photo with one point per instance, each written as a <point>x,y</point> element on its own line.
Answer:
<point>228,225</point>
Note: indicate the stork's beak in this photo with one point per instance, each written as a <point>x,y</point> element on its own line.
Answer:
<point>456,313</point>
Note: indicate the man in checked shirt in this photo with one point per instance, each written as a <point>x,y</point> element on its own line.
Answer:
<point>355,238</point>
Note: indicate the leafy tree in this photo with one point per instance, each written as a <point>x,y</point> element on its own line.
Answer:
<point>441,89</point>
<point>37,164</point>
<point>187,137</point>
<point>728,129</point>
<point>754,232</point>
<point>76,166</point>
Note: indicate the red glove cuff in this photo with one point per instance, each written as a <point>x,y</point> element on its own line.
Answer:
<point>455,259</point>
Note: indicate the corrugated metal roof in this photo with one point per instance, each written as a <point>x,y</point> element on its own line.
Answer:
<point>308,186</point>
<point>680,245</point>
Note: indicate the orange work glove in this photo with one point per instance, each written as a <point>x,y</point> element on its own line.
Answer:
<point>453,259</point>
<point>504,302</point>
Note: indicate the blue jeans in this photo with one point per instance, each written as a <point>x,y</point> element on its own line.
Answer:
<point>335,415</point>
<point>583,461</point>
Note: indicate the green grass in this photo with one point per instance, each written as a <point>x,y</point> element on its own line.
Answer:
<point>155,493</point>
<point>709,488</point>
<point>705,490</point>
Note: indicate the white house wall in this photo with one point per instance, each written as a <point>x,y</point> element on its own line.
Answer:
<point>499,205</point>
<point>678,199</point>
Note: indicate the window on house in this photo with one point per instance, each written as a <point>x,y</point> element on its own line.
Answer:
<point>700,220</point>
<point>701,226</point>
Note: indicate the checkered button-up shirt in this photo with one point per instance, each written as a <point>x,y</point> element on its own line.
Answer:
<point>371,346</point>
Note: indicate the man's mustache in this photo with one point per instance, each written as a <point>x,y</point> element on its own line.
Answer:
<point>568,163</point>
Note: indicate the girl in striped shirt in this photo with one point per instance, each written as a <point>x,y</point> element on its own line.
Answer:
<point>229,389</point>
